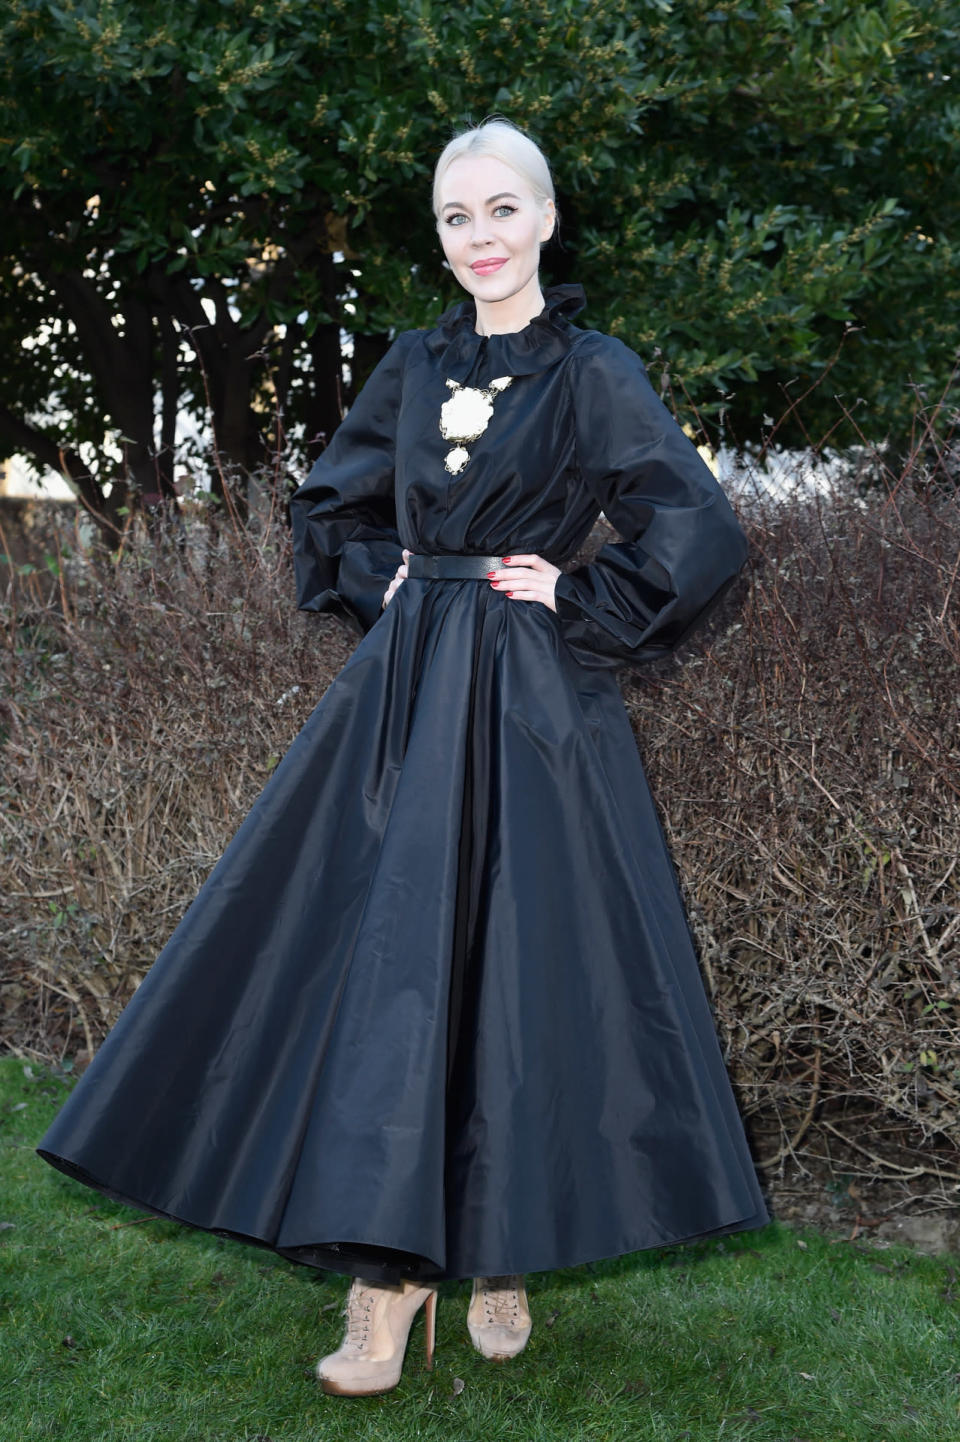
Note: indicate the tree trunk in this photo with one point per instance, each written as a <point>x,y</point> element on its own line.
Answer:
<point>122,364</point>
<point>326,402</point>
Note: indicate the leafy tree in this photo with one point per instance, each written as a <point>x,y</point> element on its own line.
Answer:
<point>199,197</point>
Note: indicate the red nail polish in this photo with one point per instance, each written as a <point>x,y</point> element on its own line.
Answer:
<point>507,560</point>
<point>509,593</point>
<point>491,573</point>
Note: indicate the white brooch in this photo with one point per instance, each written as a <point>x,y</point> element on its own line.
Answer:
<point>465,417</point>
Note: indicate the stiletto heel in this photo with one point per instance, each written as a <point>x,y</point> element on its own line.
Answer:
<point>430,1327</point>
<point>370,1357</point>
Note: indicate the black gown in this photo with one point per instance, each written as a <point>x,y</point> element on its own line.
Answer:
<point>436,1011</point>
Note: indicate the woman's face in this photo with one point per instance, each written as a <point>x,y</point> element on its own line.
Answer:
<point>490,226</point>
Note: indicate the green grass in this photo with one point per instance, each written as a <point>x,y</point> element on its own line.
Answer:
<point>121,1326</point>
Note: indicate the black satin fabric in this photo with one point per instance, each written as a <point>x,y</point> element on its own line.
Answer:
<point>436,1011</point>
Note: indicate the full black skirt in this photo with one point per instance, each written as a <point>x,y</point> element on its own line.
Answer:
<point>436,1011</point>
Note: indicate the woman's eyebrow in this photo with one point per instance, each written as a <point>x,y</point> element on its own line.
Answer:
<point>489,200</point>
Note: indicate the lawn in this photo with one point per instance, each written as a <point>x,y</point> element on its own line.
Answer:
<point>117,1325</point>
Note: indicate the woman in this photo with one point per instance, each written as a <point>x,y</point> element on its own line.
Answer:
<point>436,1012</point>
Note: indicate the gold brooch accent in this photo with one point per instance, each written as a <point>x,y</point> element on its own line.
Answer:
<point>465,417</point>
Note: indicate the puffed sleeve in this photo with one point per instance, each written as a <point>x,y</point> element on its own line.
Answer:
<point>346,548</point>
<point>682,545</point>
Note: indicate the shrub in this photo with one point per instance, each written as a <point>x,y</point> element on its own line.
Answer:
<point>804,754</point>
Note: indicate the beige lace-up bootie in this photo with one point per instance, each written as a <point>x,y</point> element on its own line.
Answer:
<point>379,1318</point>
<point>498,1318</point>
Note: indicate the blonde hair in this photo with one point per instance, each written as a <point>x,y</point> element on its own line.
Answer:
<point>504,141</point>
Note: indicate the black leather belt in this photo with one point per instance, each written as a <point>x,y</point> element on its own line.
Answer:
<point>437,568</point>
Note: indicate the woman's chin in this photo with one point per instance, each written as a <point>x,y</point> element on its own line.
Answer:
<point>503,285</point>
<point>492,287</point>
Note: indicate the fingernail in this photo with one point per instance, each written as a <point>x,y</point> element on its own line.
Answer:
<point>507,560</point>
<point>509,593</point>
<point>491,573</point>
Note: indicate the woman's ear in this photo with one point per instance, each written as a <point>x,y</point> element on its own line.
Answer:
<point>548,229</point>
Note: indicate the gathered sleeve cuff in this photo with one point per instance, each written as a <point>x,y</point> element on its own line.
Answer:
<point>682,545</point>
<point>346,547</point>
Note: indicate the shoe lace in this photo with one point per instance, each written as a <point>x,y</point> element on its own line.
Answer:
<point>501,1301</point>
<point>357,1311</point>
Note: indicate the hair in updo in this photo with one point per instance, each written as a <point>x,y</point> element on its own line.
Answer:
<point>505,141</point>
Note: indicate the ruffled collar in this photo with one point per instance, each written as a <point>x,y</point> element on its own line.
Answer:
<point>541,343</point>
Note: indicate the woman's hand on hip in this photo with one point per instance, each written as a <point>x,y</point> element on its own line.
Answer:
<point>527,578</point>
<point>397,582</point>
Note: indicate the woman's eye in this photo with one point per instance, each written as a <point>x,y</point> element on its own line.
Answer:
<point>508,208</point>
<point>457,215</point>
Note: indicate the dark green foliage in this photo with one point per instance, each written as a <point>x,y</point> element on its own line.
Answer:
<point>193,192</point>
